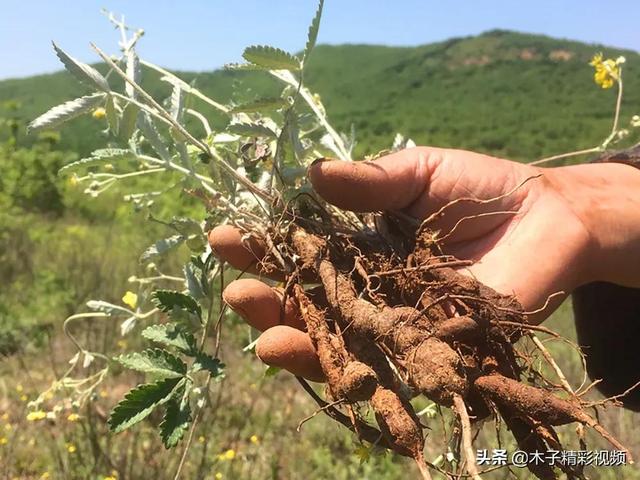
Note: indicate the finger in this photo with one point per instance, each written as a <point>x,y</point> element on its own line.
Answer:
<point>226,242</point>
<point>289,348</point>
<point>260,305</point>
<point>391,182</point>
<point>420,181</point>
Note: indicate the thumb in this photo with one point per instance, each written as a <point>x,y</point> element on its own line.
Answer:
<point>391,182</point>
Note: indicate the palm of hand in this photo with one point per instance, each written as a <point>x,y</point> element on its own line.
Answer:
<point>508,230</point>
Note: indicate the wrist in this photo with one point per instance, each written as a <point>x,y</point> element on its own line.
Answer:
<point>606,199</point>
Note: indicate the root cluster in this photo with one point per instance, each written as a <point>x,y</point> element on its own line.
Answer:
<point>391,318</point>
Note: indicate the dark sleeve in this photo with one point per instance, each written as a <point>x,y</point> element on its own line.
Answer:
<point>607,320</point>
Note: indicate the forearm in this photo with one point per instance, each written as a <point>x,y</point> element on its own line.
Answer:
<point>606,197</point>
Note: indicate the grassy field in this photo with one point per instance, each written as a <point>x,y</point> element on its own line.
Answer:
<point>514,95</point>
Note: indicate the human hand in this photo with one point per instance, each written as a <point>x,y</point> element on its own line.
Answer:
<point>529,236</point>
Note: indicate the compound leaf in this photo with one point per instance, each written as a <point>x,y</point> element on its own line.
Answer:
<point>260,105</point>
<point>66,111</point>
<point>99,156</point>
<point>140,402</point>
<point>312,36</point>
<point>83,72</point>
<point>251,130</point>
<point>271,58</point>
<point>161,246</point>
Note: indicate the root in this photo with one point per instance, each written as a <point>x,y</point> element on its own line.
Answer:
<point>461,410</point>
<point>316,412</point>
<point>391,318</point>
<point>554,365</point>
<point>542,406</point>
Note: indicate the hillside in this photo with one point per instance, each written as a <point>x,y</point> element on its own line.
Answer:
<point>517,95</point>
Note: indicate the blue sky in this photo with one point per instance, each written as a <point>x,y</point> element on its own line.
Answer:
<point>203,35</point>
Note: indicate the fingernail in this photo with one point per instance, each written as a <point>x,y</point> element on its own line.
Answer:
<point>319,160</point>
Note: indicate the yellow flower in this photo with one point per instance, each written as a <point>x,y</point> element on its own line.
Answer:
<point>19,388</point>
<point>5,416</point>
<point>254,439</point>
<point>108,167</point>
<point>24,398</point>
<point>363,453</point>
<point>36,415</point>
<point>607,72</point>
<point>200,439</point>
<point>130,299</point>
<point>8,427</point>
<point>218,476</point>
<point>110,477</point>
<point>73,180</point>
<point>103,394</point>
<point>71,448</point>
<point>122,344</point>
<point>45,475</point>
<point>3,440</point>
<point>228,455</point>
<point>73,417</point>
<point>99,113</point>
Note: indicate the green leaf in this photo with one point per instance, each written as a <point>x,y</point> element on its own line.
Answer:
<point>99,156</point>
<point>128,121</point>
<point>133,72</point>
<point>140,402</point>
<point>193,276</point>
<point>251,130</point>
<point>161,247</point>
<point>112,115</point>
<point>112,152</point>
<point>207,362</point>
<point>271,58</point>
<point>271,371</point>
<point>172,336</point>
<point>186,226</point>
<point>83,72</point>
<point>177,102</point>
<point>261,105</point>
<point>65,112</point>
<point>155,362</point>
<point>108,308</point>
<point>242,66</point>
<point>312,36</point>
<point>175,423</point>
<point>167,300</point>
<point>150,132</point>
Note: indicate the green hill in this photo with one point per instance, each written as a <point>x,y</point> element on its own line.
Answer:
<point>511,94</point>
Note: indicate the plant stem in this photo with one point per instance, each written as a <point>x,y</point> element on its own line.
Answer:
<point>605,144</point>
<point>463,415</point>
<point>566,155</point>
<point>186,87</point>
<point>250,186</point>
<point>288,78</point>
